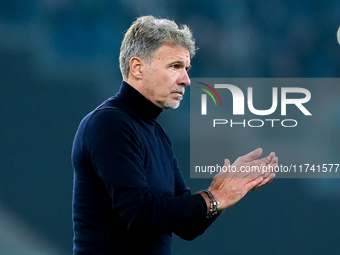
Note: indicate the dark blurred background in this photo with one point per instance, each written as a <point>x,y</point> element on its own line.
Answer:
<point>59,60</point>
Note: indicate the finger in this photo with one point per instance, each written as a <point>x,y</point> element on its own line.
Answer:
<point>249,157</point>
<point>271,176</point>
<point>269,170</point>
<point>262,183</point>
<point>256,170</point>
<point>265,171</point>
<point>257,186</point>
<point>251,170</point>
<point>265,181</point>
<point>274,160</point>
<point>269,158</point>
<point>225,173</point>
<point>254,183</point>
<point>268,174</point>
<point>266,160</point>
<point>268,180</point>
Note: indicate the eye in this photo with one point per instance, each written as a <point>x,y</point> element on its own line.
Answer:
<point>176,66</point>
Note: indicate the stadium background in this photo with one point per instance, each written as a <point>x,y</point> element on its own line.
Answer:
<point>59,59</point>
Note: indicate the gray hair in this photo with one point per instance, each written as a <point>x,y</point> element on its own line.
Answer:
<point>147,34</point>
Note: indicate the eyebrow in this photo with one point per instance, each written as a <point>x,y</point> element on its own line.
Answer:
<point>178,62</point>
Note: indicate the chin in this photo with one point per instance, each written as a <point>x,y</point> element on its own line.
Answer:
<point>171,105</point>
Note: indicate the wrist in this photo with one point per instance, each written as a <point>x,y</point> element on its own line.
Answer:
<point>212,203</point>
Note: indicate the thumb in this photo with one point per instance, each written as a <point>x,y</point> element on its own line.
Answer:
<point>227,162</point>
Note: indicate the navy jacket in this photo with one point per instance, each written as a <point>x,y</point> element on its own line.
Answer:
<point>129,195</point>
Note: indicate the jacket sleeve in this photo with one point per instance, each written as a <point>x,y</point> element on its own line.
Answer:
<point>197,227</point>
<point>112,144</point>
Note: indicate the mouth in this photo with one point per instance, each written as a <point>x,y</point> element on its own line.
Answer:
<point>179,92</point>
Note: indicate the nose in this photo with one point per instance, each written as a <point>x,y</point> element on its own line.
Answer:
<point>184,79</point>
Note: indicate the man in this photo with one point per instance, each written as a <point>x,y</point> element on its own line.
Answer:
<point>129,195</point>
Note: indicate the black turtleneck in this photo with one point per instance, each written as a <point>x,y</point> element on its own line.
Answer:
<point>129,195</point>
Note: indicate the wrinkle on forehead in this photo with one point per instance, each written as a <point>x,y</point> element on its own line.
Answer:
<point>172,53</point>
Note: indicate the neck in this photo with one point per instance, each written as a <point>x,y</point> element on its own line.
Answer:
<point>137,102</point>
<point>137,84</point>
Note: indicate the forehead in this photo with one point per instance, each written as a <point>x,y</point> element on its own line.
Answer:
<point>169,53</point>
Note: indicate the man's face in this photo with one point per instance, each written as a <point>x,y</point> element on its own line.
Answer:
<point>165,79</point>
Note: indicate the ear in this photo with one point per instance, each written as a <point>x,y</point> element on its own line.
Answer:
<point>136,64</point>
